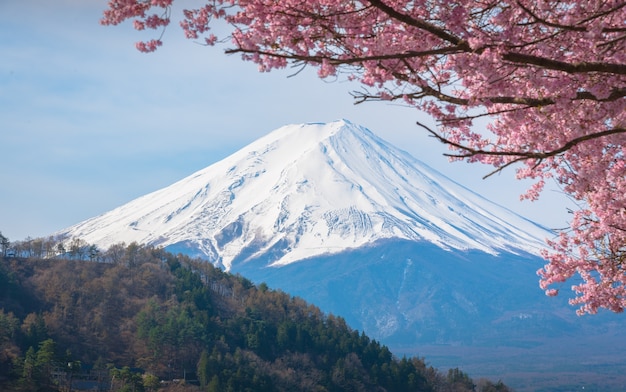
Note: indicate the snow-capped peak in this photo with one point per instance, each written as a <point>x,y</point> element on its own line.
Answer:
<point>311,189</point>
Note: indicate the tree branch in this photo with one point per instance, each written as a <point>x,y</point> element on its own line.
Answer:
<point>348,61</point>
<point>582,67</point>
<point>520,155</point>
<point>526,102</point>
<point>429,27</point>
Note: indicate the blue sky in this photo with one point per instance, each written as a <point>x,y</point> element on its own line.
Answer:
<point>88,123</point>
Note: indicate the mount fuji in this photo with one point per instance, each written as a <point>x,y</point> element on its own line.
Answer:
<point>336,215</point>
<point>310,190</point>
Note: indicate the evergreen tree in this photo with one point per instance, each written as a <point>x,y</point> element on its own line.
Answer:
<point>46,360</point>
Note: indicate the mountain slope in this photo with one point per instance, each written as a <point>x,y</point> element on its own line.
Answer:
<point>308,190</point>
<point>337,216</point>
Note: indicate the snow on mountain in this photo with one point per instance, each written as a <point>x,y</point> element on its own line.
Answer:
<point>307,190</point>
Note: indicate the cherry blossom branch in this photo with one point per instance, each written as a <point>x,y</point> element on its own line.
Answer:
<point>579,28</point>
<point>429,27</point>
<point>525,102</point>
<point>518,155</point>
<point>581,67</point>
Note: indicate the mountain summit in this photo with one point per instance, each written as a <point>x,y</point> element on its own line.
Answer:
<point>308,190</point>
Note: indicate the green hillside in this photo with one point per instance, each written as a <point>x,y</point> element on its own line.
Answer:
<point>137,318</point>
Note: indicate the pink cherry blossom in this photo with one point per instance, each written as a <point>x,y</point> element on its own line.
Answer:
<point>549,75</point>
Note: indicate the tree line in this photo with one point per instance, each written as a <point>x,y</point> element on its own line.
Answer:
<point>139,319</point>
<point>48,247</point>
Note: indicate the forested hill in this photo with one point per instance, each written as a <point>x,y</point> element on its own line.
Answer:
<point>140,318</point>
